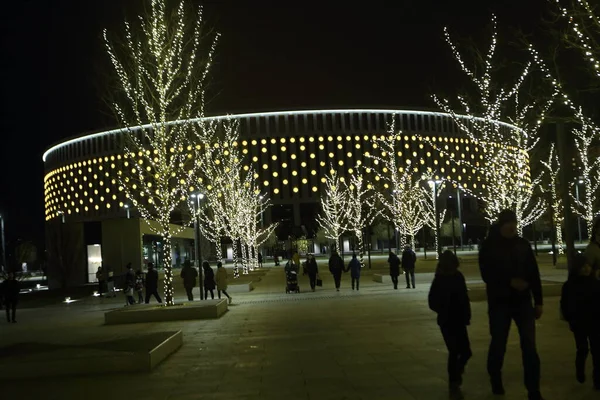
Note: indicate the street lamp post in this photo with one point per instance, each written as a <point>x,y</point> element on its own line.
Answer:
<point>460,220</point>
<point>127,210</point>
<point>579,182</point>
<point>4,266</point>
<point>197,198</point>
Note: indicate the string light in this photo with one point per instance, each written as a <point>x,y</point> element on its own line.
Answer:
<point>552,167</point>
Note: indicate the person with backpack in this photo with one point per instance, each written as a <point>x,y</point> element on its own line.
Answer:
<point>409,259</point>
<point>394,262</point>
<point>152,284</point>
<point>580,307</point>
<point>189,275</point>
<point>448,297</point>
<point>354,267</point>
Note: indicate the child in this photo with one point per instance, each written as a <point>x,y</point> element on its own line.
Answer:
<point>579,304</point>
<point>449,299</point>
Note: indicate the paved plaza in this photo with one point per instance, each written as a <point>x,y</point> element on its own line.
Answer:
<point>375,344</point>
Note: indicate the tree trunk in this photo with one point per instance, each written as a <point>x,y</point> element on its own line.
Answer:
<point>360,245</point>
<point>168,266</point>
<point>236,272</point>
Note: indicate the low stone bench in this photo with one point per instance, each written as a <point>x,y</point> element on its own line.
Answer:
<point>140,353</point>
<point>208,309</point>
<point>382,278</point>
<point>240,288</point>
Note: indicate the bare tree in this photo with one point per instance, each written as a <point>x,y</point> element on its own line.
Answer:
<point>332,218</point>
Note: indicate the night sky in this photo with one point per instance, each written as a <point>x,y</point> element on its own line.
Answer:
<point>272,56</point>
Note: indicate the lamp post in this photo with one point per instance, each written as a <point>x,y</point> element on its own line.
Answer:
<point>460,220</point>
<point>127,210</point>
<point>4,266</point>
<point>434,184</point>
<point>197,198</point>
<point>579,182</point>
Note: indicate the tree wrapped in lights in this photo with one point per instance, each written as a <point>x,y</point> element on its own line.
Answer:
<point>360,209</point>
<point>254,235</point>
<point>334,204</point>
<point>588,207</point>
<point>161,67</point>
<point>552,170</point>
<point>401,198</point>
<point>506,178</point>
<point>429,198</point>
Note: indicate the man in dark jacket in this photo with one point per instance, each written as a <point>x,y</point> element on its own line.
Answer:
<point>9,290</point>
<point>312,269</point>
<point>394,262</point>
<point>336,267</point>
<point>189,275</point>
<point>510,271</point>
<point>152,284</point>
<point>409,259</point>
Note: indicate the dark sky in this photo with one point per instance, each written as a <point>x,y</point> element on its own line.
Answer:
<point>272,56</point>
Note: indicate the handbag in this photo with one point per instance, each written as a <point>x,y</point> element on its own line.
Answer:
<point>319,282</point>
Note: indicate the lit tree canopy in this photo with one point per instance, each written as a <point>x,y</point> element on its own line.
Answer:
<point>332,218</point>
<point>161,66</point>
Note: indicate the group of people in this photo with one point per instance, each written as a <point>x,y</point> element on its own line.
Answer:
<point>514,291</point>
<point>139,282</point>
<point>408,262</point>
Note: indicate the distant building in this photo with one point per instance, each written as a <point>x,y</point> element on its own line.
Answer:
<point>291,151</point>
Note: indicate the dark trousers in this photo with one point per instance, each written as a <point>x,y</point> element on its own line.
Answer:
<point>190,294</point>
<point>409,274</point>
<point>101,285</point>
<point>212,293</point>
<point>312,277</point>
<point>11,305</point>
<point>140,296</point>
<point>224,292</point>
<point>500,319</point>
<point>130,300</point>
<point>152,293</point>
<point>586,340</point>
<point>395,281</point>
<point>459,350</point>
<point>357,280</point>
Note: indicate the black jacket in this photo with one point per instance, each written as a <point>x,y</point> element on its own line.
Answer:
<point>448,297</point>
<point>336,264</point>
<point>209,278</point>
<point>151,280</point>
<point>129,279</point>
<point>409,259</point>
<point>501,260</point>
<point>580,302</point>
<point>9,290</point>
<point>394,262</point>
<point>312,267</point>
<point>189,275</point>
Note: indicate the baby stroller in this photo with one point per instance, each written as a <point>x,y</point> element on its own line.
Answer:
<point>291,278</point>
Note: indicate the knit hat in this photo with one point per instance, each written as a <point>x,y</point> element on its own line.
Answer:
<point>505,217</point>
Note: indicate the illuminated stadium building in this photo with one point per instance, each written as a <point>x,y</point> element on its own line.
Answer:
<point>291,151</point>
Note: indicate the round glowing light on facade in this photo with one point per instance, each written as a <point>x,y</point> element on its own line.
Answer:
<point>312,155</point>
<point>295,190</point>
<point>302,148</point>
<point>313,172</point>
<point>303,164</point>
<point>276,191</point>
<point>282,140</point>
<point>341,162</point>
<point>283,148</point>
<point>302,139</point>
<point>293,156</point>
<point>322,163</point>
<point>266,183</point>
<point>275,174</point>
<point>311,139</point>
<point>349,154</point>
<point>294,173</point>
<point>255,159</point>
<point>330,138</point>
<point>265,166</point>
<point>284,165</point>
<point>320,138</point>
<point>273,157</point>
<point>285,182</point>
<point>315,189</point>
<point>292,140</point>
<point>304,181</point>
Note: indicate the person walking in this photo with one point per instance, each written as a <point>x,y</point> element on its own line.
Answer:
<point>152,284</point>
<point>129,284</point>
<point>409,259</point>
<point>101,280</point>
<point>222,281</point>
<point>448,297</point>
<point>312,269</point>
<point>510,271</point>
<point>9,291</point>
<point>394,262</point>
<point>110,282</point>
<point>354,267</point>
<point>139,285</point>
<point>296,258</point>
<point>579,305</point>
<point>189,275</point>
<point>336,267</point>
<point>209,280</point>
<point>592,251</point>
<point>260,260</point>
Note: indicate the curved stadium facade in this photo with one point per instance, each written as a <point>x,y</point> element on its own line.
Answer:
<point>291,151</point>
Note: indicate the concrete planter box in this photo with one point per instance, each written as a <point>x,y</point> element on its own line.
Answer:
<point>240,288</point>
<point>43,360</point>
<point>208,309</point>
<point>549,289</point>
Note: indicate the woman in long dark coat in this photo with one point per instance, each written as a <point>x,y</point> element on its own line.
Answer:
<point>209,280</point>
